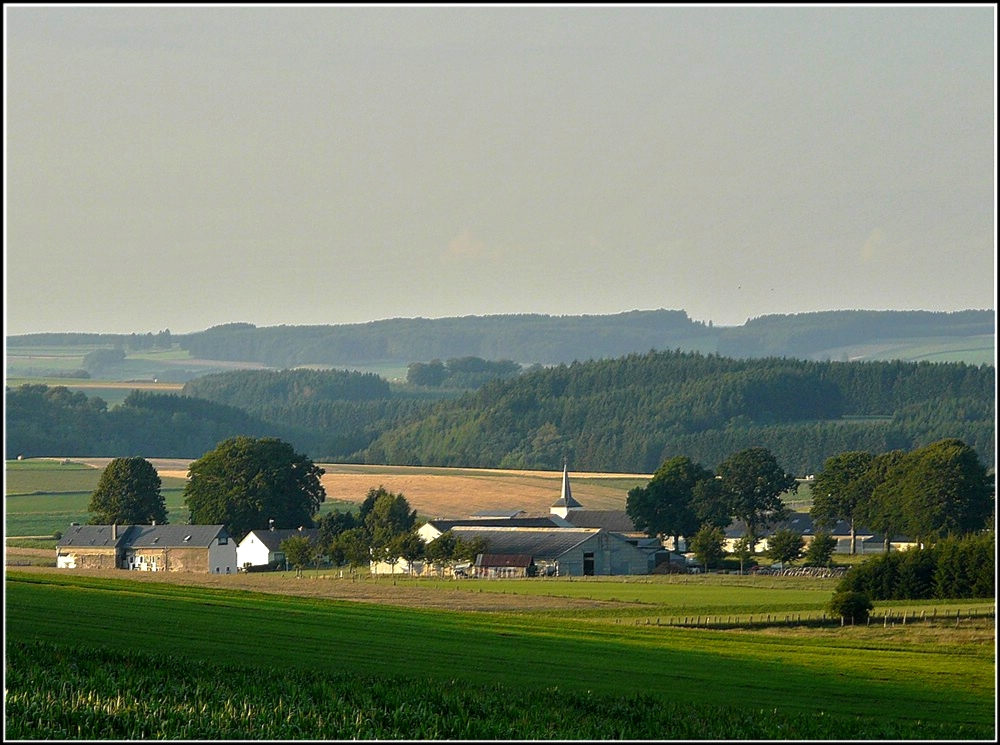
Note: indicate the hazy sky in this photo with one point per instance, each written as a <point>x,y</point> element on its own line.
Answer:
<point>182,167</point>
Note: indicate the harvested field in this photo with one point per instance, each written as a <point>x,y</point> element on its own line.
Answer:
<point>455,492</point>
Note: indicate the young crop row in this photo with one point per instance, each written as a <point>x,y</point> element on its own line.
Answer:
<point>56,691</point>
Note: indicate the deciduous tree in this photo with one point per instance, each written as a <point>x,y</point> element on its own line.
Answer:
<point>754,482</point>
<point>245,482</point>
<point>785,546</point>
<point>664,507</point>
<point>128,493</point>
<point>840,489</point>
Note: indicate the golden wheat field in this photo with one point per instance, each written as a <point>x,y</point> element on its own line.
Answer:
<point>454,492</point>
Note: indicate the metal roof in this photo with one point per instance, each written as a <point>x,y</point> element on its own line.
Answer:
<point>616,521</point>
<point>494,522</point>
<point>542,543</point>
<point>504,560</point>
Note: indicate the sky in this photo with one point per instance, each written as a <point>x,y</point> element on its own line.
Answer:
<point>180,167</point>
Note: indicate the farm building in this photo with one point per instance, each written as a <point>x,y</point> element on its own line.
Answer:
<point>262,548</point>
<point>434,528</point>
<point>150,548</point>
<point>565,552</point>
<point>504,565</point>
<point>802,523</point>
<point>570,541</point>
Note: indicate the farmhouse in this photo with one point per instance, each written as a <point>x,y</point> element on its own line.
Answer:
<point>149,548</point>
<point>262,548</point>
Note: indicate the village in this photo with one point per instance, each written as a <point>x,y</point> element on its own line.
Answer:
<point>570,541</point>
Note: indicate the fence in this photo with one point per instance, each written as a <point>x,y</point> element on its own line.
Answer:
<point>886,619</point>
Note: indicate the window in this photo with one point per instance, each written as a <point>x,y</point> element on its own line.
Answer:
<point>223,540</point>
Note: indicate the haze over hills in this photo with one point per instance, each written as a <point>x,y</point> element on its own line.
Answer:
<point>967,336</point>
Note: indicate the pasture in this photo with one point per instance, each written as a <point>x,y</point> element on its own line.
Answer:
<point>940,690</point>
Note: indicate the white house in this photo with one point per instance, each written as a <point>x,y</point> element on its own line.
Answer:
<point>263,547</point>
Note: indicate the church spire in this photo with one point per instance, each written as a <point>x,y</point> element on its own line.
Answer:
<point>565,503</point>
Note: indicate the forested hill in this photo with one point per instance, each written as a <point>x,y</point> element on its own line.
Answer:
<point>628,414</point>
<point>550,340</point>
<point>633,413</point>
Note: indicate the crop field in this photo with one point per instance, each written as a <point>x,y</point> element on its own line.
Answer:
<point>43,495</point>
<point>738,684</point>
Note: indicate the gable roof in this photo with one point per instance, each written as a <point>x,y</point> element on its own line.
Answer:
<point>542,543</point>
<point>273,538</point>
<point>615,521</point>
<point>141,536</point>
<point>494,522</point>
<point>93,536</point>
<point>175,536</point>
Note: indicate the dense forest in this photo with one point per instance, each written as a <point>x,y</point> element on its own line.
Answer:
<point>550,340</point>
<point>627,414</point>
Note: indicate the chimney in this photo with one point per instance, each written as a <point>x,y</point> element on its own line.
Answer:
<point>270,525</point>
<point>114,531</point>
<point>154,523</point>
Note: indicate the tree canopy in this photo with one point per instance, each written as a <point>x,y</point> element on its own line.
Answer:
<point>840,489</point>
<point>665,506</point>
<point>128,493</point>
<point>245,482</point>
<point>753,483</point>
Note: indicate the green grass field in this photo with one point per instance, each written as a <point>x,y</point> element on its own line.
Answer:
<point>840,675</point>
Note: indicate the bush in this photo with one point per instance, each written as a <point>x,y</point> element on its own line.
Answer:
<point>852,607</point>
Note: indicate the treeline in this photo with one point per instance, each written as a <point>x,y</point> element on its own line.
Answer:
<point>44,421</point>
<point>805,335</point>
<point>627,415</point>
<point>955,567</point>
<point>633,413</point>
<point>462,373</point>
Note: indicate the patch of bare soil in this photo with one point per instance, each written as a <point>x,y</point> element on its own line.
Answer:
<point>383,591</point>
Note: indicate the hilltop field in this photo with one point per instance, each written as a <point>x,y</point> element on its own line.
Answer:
<point>452,492</point>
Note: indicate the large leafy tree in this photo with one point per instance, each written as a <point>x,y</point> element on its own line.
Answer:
<point>664,507</point>
<point>754,482</point>
<point>245,482</point>
<point>883,510</point>
<point>128,493</point>
<point>388,518</point>
<point>840,489</point>
<point>945,491</point>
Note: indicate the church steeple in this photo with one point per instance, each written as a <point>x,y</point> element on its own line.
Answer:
<point>565,503</point>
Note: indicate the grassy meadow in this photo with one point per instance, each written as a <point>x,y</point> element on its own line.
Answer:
<point>750,682</point>
<point>99,655</point>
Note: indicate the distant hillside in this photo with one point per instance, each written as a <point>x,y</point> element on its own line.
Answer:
<point>963,336</point>
<point>549,340</point>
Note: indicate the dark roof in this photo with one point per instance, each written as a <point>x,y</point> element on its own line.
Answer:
<point>494,522</point>
<point>92,535</point>
<point>273,538</point>
<point>615,521</point>
<point>142,536</point>
<point>175,536</point>
<point>504,560</point>
<point>538,542</point>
